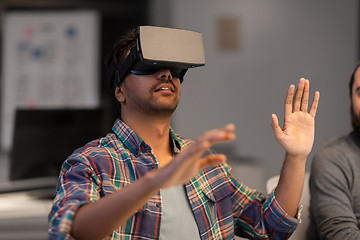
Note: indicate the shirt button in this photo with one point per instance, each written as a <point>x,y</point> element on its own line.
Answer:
<point>158,205</point>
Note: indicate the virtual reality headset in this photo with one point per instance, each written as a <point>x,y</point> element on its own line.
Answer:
<point>159,47</point>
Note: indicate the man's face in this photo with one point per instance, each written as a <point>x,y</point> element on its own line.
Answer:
<point>355,102</point>
<point>154,94</point>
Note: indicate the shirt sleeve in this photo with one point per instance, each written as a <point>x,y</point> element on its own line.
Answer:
<point>260,216</point>
<point>77,186</point>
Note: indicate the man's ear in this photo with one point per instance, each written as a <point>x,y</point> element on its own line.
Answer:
<point>120,94</point>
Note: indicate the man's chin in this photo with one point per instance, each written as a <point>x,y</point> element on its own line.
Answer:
<point>164,110</point>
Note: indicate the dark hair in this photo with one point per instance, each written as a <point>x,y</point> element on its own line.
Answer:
<point>118,52</point>
<point>116,56</point>
<point>352,79</point>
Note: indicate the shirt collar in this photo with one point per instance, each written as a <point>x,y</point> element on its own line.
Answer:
<point>133,141</point>
<point>175,139</point>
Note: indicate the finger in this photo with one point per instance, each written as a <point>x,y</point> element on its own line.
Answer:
<point>314,104</point>
<point>211,160</point>
<point>220,134</point>
<point>298,95</point>
<point>288,100</point>
<point>276,128</point>
<point>305,97</point>
<point>197,148</point>
<point>227,128</point>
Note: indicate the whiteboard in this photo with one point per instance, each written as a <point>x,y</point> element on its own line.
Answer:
<point>49,60</point>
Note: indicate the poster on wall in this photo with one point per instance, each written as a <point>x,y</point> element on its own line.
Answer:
<point>49,60</point>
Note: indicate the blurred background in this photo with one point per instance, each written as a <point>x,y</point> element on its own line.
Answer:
<point>52,54</point>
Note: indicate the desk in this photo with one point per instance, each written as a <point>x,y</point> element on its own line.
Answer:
<point>23,216</point>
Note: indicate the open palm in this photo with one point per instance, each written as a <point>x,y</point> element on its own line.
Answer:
<point>297,135</point>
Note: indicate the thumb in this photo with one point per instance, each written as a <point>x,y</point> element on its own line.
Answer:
<point>276,128</point>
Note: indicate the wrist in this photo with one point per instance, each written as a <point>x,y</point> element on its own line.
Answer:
<point>296,157</point>
<point>295,162</point>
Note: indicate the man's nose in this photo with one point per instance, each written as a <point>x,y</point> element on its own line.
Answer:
<point>164,73</point>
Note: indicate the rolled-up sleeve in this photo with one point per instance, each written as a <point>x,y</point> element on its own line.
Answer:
<point>77,186</point>
<point>260,216</point>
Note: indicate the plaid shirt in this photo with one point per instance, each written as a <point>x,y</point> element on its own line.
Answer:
<point>221,205</point>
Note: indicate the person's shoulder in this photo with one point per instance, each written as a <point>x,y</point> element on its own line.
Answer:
<point>97,148</point>
<point>335,144</point>
<point>98,155</point>
<point>338,151</point>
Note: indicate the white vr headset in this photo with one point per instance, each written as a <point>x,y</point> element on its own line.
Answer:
<point>160,47</point>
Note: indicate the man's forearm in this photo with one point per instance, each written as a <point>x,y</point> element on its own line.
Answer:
<point>289,189</point>
<point>98,219</point>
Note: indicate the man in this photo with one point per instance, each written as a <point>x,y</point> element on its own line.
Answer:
<point>143,181</point>
<point>335,179</point>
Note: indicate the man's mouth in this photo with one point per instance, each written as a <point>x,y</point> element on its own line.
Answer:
<point>165,88</point>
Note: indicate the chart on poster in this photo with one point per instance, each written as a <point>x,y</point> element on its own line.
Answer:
<point>49,60</point>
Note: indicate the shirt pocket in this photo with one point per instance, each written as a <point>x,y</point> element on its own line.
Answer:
<point>218,199</point>
<point>217,193</point>
<point>218,207</point>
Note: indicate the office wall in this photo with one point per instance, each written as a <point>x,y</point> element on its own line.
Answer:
<point>278,42</point>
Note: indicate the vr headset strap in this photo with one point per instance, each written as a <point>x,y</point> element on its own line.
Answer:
<point>121,72</point>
